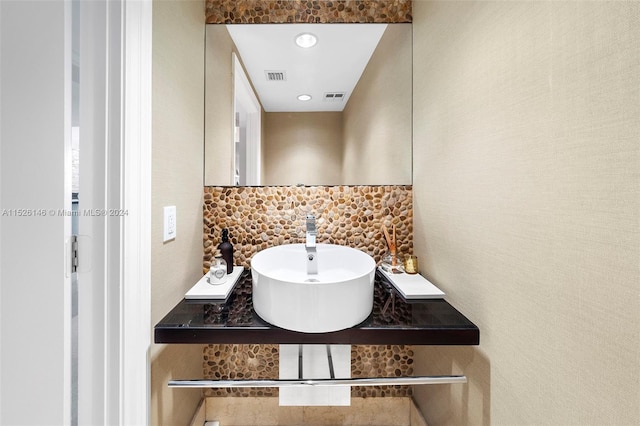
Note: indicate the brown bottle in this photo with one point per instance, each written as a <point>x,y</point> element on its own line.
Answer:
<point>226,249</point>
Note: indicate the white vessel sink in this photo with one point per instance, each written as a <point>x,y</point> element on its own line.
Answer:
<point>339,296</point>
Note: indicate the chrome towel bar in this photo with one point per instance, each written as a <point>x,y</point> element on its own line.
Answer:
<point>356,381</point>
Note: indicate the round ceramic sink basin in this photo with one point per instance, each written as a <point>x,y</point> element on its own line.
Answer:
<point>339,296</point>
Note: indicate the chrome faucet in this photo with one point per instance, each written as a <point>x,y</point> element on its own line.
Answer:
<point>310,245</point>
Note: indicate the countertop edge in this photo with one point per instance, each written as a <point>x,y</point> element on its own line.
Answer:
<point>465,332</point>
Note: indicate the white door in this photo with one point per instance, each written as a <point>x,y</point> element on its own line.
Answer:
<point>35,196</point>
<point>247,141</point>
<point>35,191</point>
<point>115,187</point>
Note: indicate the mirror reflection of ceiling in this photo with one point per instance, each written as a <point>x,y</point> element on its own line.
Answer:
<point>369,143</point>
<point>280,70</point>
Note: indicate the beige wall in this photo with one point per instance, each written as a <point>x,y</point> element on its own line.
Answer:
<point>219,107</point>
<point>219,104</point>
<point>377,119</point>
<point>526,177</point>
<point>178,111</point>
<point>302,147</point>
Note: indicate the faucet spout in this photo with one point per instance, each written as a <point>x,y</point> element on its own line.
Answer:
<point>312,261</point>
<point>310,245</point>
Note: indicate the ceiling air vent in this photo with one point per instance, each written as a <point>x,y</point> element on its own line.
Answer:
<point>275,75</point>
<point>334,96</point>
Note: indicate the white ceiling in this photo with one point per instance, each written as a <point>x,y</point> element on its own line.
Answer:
<point>334,64</point>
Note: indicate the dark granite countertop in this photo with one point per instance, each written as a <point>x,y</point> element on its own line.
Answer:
<point>393,321</point>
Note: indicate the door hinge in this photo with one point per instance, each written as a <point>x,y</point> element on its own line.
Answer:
<point>74,253</point>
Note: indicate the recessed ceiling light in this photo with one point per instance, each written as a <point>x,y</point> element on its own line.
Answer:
<point>304,97</point>
<point>306,40</point>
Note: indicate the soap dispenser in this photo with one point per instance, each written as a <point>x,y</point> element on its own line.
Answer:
<point>218,270</point>
<point>226,249</point>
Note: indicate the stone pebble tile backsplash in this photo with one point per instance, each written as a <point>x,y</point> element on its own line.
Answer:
<point>263,217</point>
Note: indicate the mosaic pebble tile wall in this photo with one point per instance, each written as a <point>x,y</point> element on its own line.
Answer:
<point>262,217</point>
<point>310,11</point>
<point>251,362</point>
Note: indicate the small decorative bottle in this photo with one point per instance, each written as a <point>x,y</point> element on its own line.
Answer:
<point>226,249</point>
<point>218,270</point>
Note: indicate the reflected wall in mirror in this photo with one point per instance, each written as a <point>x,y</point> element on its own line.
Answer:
<point>355,129</point>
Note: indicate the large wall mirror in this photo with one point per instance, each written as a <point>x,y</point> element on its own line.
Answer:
<point>337,112</point>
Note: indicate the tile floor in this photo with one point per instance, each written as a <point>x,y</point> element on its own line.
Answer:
<point>256,411</point>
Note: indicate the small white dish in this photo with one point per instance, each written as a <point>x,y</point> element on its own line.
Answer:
<point>204,290</point>
<point>413,286</point>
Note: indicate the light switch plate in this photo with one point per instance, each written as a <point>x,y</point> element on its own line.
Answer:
<point>170,223</point>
